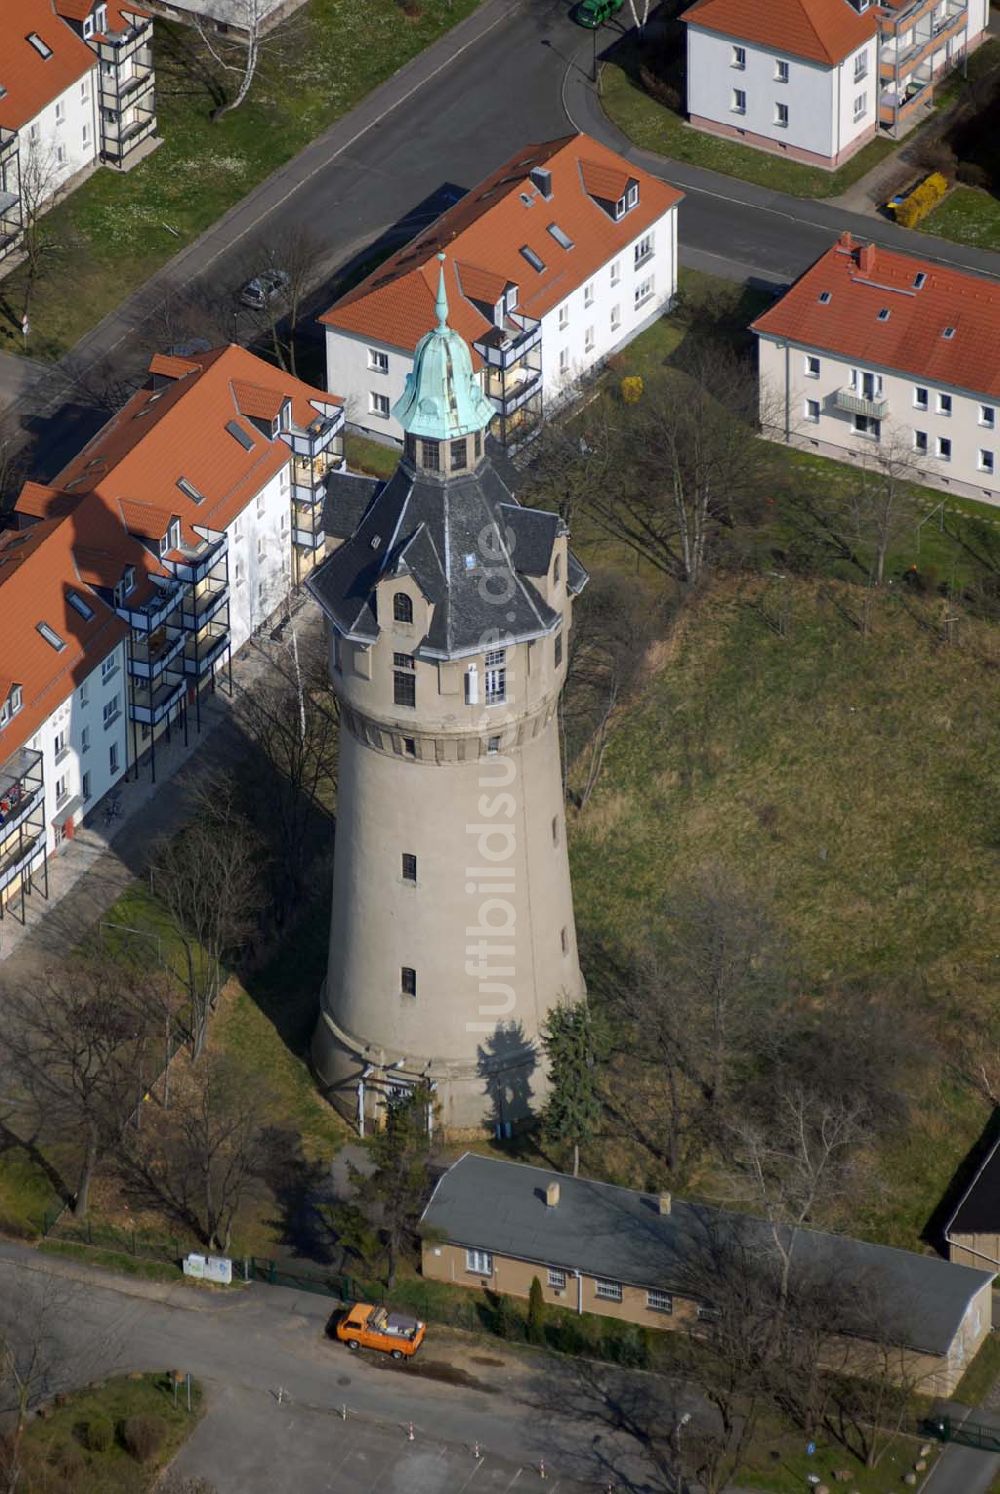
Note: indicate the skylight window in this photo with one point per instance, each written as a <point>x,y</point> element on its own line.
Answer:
<point>78,604</point>
<point>825,298</point>
<point>948,332</point>
<point>527,199</point>
<point>51,636</point>
<point>240,435</point>
<point>561,238</point>
<point>533,259</point>
<point>470,562</point>
<point>918,280</point>
<point>189,490</point>
<point>42,48</point>
<point>883,315</point>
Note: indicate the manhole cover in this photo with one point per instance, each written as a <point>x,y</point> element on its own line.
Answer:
<point>343,1379</point>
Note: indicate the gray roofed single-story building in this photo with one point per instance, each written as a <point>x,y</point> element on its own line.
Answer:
<point>652,1258</point>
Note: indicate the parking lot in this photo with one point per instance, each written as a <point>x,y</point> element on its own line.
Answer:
<point>246,1445</point>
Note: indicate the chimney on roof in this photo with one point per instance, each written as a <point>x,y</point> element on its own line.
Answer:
<point>663,1203</point>
<point>845,241</point>
<point>866,259</point>
<point>542,178</point>
<point>552,1196</point>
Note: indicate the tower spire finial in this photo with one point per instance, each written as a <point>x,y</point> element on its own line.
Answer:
<point>441,304</point>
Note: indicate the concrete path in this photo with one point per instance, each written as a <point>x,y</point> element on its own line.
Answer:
<point>104,857</point>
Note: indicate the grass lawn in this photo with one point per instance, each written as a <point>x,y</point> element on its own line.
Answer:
<point>370,456</point>
<point>780,1464</point>
<point>55,1445</point>
<point>969,215</point>
<point>112,233</point>
<point>846,778</point>
<point>982,1374</point>
<point>113,1260</point>
<point>654,127</point>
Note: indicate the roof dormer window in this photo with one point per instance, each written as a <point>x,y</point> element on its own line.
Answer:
<point>51,637</point>
<point>41,47</point>
<point>627,203</point>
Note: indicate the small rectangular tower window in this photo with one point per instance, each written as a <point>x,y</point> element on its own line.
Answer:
<point>432,455</point>
<point>408,980</point>
<point>559,648</point>
<point>458,455</point>
<point>555,829</point>
<point>409,867</point>
<point>564,941</point>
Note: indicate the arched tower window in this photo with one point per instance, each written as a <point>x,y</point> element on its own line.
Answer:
<point>402,607</point>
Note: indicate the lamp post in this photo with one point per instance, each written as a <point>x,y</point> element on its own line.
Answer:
<point>675,1438</point>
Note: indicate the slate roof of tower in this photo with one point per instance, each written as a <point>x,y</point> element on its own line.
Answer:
<point>618,1234</point>
<point>427,528</point>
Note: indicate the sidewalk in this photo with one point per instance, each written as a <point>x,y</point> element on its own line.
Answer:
<point>103,859</point>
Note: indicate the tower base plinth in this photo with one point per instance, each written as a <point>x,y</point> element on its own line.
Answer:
<point>497,1091</point>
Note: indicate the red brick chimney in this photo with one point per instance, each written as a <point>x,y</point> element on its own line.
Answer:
<point>866,259</point>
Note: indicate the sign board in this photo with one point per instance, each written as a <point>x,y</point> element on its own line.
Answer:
<point>194,1265</point>
<point>219,1268</point>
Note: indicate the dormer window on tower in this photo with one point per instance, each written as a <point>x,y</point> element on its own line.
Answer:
<point>495,676</point>
<point>402,608</point>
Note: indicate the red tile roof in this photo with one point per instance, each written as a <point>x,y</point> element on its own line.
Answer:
<point>179,430</point>
<point>37,574</point>
<point>861,280</point>
<point>31,80</point>
<point>824,31</point>
<point>484,233</point>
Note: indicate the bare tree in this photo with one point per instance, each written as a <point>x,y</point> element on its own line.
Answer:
<point>614,625</point>
<point>687,463</point>
<point>77,1044</point>
<point>882,507</point>
<point>202,1157</point>
<point>31,1356</point>
<point>248,39</point>
<point>289,784</point>
<point>208,880</point>
<point>298,253</point>
<point>39,181</point>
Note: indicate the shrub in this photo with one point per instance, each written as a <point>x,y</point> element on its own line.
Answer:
<point>142,1436</point>
<point>936,155</point>
<point>536,1313</point>
<point>974,175</point>
<point>507,1321</point>
<point>632,388</point>
<point>99,1434</point>
<point>664,93</point>
<point>68,1460</point>
<point>920,201</point>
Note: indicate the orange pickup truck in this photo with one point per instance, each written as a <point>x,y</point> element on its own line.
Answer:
<point>366,1327</point>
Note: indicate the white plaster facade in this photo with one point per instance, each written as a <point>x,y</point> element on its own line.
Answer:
<point>61,143</point>
<point>952,434</point>
<point>260,557</point>
<point>598,316</point>
<point>765,97</point>
<point>84,746</point>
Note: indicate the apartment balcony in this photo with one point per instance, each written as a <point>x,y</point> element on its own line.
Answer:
<point>503,347</point>
<point>124,45</point>
<point>930,35</point>
<point>195,567</point>
<point>309,475</point>
<point>155,612</point>
<point>21,790</point>
<point>148,659</point>
<point>324,436</point>
<point>895,110</point>
<point>511,392</point>
<point>858,404</point>
<point>17,854</point>
<point>149,706</point>
<point>199,608</point>
<point>202,654</point>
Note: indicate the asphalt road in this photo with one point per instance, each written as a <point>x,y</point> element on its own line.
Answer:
<point>278,1391</point>
<point>508,74</point>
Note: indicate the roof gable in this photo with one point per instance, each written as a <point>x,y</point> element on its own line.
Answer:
<point>824,31</point>
<point>836,305</point>
<point>486,234</point>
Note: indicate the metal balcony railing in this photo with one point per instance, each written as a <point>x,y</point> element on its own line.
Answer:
<point>851,403</point>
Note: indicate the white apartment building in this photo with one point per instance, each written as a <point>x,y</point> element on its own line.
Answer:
<point>815,80</point>
<point>191,515</point>
<point>560,257</point>
<point>76,91</point>
<point>63,704</point>
<point>872,351</point>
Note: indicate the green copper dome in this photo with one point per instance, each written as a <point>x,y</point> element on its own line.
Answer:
<point>442,399</point>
